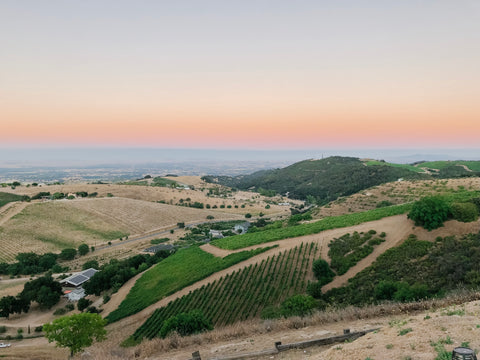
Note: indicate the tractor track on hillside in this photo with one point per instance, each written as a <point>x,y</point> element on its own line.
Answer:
<point>10,210</point>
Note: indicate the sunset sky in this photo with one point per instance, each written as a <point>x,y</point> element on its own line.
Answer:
<point>240,74</point>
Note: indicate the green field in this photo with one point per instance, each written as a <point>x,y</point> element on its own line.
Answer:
<point>6,198</point>
<point>185,267</point>
<point>243,294</point>
<point>403,166</point>
<point>472,165</point>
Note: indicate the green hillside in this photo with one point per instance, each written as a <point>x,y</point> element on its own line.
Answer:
<point>320,181</point>
<point>403,166</point>
<point>471,165</point>
<point>6,198</point>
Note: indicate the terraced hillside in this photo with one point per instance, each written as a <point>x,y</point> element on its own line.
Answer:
<point>243,294</point>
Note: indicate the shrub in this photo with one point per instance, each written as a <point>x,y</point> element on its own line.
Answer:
<point>384,203</point>
<point>60,311</point>
<point>186,324</point>
<point>39,328</point>
<point>83,303</point>
<point>90,264</point>
<point>210,217</point>
<point>69,307</point>
<point>298,305</point>
<point>68,254</point>
<point>465,212</point>
<point>430,212</point>
<point>83,249</point>
<point>322,271</point>
<point>248,215</point>
<point>3,329</point>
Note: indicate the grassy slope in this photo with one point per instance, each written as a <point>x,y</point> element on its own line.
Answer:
<point>403,166</point>
<point>182,269</point>
<point>472,165</point>
<point>332,222</point>
<point>53,226</point>
<point>5,198</point>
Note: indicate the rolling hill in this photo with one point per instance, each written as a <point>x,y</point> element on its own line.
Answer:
<point>319,181</point>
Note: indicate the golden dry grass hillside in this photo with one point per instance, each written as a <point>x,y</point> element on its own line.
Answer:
<point>398,192</point>
<point>54,225</point>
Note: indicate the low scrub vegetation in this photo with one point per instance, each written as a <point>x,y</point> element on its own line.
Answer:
<point>348,249</point>
<point>414,270</point>
<point>183,268</point>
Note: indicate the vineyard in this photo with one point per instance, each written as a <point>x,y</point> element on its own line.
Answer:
<point>242,294</point>
<point>179,270</point>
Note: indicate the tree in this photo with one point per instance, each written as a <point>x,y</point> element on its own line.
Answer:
<point>43,290</point>
<point>76,332</point>
<point>430,212</point>
<point>11,304</point>
<point>68,254</point>
<point>83,249</point>
<point>322,271</point>
<point>83,303</point>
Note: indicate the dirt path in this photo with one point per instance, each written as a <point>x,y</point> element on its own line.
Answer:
<point>396,227</point>
<point>323,238</point>
<point>10,210</point>
<point>118,297</point>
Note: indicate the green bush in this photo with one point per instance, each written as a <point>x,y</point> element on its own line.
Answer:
<point>83,303</point>
<point>322,271</point>
<point>83,249</point>
<point>430,212</point>
<point>68,254</point>
<point>39,328</point>
<point>60,311</point>
<point>3,329</point>
<point>298,305</point>
<point>465,212</point>
<point>185,324</point>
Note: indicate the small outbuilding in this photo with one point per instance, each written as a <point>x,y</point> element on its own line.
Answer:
<point>77,279</point>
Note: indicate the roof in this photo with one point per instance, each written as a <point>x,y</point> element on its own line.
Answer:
<point>79,278</point>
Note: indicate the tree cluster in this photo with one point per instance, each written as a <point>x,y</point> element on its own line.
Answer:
<point>44,290</point>
<point>117,272</point>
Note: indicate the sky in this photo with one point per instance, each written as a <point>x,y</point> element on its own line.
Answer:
<point>248,74</point>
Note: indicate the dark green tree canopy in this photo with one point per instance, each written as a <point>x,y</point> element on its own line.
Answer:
<point>83,249</point>
<point>430,212</point>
